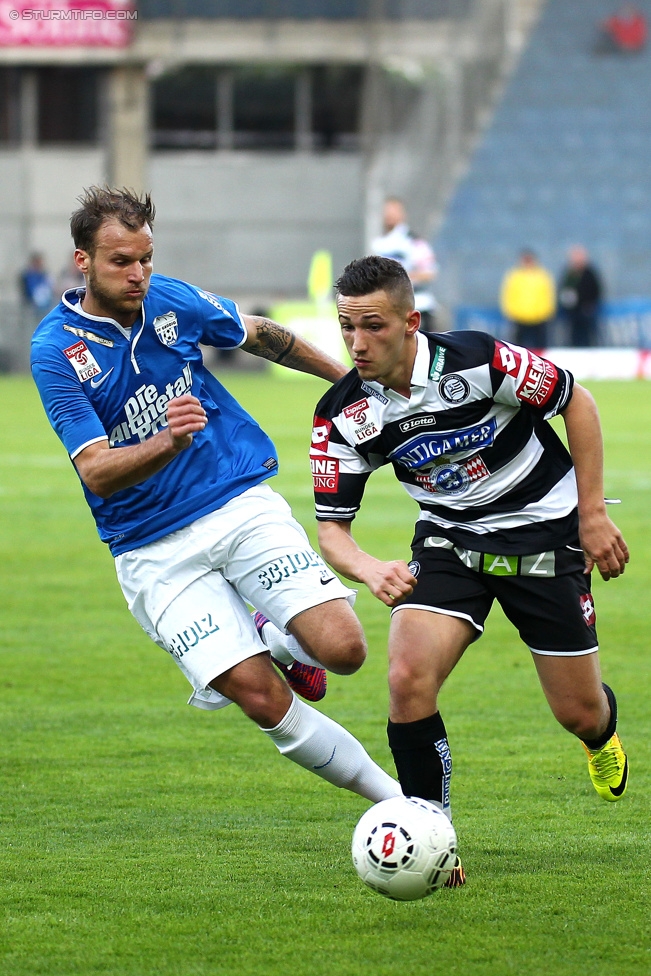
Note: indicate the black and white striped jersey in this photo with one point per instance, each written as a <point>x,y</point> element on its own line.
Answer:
<point>472,445</point>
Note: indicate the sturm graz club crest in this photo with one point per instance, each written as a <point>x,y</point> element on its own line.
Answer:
<point>454,388</point>
<point>167,328</point>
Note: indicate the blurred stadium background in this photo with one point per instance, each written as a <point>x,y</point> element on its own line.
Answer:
<point>269,129</point>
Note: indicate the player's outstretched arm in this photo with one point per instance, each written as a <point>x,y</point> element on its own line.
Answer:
<point>105,470</point>
<point>601,540</point>
<point>388,581</point>
<point>274,342</point>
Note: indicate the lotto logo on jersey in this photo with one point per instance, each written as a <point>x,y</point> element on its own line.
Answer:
<point>506,359</point>
<point>325,474</point>
<point>321,434</point>
<point>82,360</point>
<point>539,381</point>
<point>357,411</point>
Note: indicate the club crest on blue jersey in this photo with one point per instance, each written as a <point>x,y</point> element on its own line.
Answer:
<point>167,328</point>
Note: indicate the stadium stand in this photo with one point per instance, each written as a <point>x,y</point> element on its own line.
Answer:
<point>302,9</point>
<point>566,158</point>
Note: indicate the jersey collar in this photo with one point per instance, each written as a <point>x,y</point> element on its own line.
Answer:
<point>72,299</point>
<point>420,372</point>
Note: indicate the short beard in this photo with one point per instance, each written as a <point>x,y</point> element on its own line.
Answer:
<point>107,301</point>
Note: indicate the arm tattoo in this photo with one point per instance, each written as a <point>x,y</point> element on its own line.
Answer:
<point>270,340</point>
<point>286,351</point>
<point>273,341</point>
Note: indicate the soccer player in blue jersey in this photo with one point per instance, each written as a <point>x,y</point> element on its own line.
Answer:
<point>175,470</point>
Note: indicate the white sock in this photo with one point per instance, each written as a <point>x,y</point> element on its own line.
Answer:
<point>314,741</point>
<point>284,647</point>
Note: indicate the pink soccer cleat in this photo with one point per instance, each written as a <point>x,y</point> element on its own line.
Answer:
<point>306,680</point>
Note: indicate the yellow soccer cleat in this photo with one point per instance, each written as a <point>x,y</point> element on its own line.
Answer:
<point>608,768</point>
<point>457,876</point>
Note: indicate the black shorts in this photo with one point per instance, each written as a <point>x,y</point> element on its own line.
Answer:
<point>546,596</point>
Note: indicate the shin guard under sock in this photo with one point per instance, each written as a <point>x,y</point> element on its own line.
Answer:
<point>314,741</point>
<point>422,757</point>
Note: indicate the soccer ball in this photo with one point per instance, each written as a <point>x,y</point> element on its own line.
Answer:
<point>404,848</point>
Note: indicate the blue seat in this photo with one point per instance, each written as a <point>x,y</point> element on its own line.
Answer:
<point>567,158</point>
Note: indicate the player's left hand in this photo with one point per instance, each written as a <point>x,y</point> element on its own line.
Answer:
<point>603,545</point>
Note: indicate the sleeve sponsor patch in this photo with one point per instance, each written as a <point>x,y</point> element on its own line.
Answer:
<point>506,359</point>
<point>539,382</point>
<point>82,360</point>
<point>321,434</point>
<point>325,474</point>
<point>537,376</point>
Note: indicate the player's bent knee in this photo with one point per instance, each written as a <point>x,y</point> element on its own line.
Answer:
<point>333,635</point>
<point>259,691</point>
<point>586,723</point>
<point>264,707</point>
<point>344,656</point>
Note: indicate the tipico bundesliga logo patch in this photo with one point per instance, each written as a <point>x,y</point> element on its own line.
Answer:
<point>82,361</point>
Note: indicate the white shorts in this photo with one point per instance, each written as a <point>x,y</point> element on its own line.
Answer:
<point>189,590</point>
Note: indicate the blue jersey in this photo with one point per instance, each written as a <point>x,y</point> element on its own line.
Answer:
<point>98,380</point>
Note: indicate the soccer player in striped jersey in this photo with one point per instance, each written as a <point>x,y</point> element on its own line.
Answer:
<point>506,513</point>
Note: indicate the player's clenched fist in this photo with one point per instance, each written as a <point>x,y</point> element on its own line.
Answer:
<point>391,581</point>
<point>185,417</point>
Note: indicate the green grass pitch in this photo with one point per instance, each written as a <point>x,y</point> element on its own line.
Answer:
<point>140,837</point>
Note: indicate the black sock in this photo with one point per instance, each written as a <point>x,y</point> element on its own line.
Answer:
<point>422,757</point>
<point>594,744</point>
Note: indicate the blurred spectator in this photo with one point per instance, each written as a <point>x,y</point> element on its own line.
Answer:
<point>414,254</point>
<point>528,300</point>
<point>70,277</point>
<point>625,32</point>
<point>36,285</point>
<point>580,293</point>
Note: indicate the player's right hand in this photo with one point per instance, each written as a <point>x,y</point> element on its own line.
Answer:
<point>185,417</point>
<point>391,581</point>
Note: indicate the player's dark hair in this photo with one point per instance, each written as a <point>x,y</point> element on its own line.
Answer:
<point>100,203</point>
<point>374,273</point>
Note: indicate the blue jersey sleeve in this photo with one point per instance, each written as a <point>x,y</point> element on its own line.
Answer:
<point>222,323</point>
<point>68,408</point>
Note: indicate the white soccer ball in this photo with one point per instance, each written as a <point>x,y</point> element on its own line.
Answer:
<point>404,848</point>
